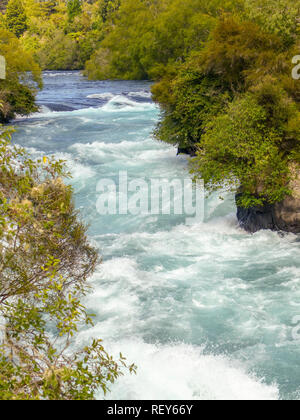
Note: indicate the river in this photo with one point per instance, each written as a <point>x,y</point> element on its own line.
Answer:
<point>205,311</point>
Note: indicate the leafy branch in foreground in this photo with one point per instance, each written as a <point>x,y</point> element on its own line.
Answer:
<point>45,261</point>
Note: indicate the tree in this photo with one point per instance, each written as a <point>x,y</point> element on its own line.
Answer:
<point>276,16</point>
<point>107,8</point>
<point>235,104</point>
<point>45,261</point>
<point>23,78</point>
<point>241,148</point>
<point>74,9</point>
<point>144,38</point>
<point>16,19</point>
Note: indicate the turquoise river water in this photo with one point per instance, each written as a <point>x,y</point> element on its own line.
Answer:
<point>206,311</point>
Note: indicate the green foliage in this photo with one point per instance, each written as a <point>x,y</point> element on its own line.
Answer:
<point>45,261</point>
<point>67,52</point>
<point>235,102</point>
<point>241,147</point>
<point>74,9</point>
<point>16,19</point>
<point>107,9</point>
<point>276,16</point>
<point>145,37</point>
<point>226,65</point>
<point>63,35</point>
<point>192,99</point>
<point>17,92</point>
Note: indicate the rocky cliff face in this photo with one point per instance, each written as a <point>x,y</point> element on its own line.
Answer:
<point>287,215</point>
<point>284,216</point>
<point>256,218</point>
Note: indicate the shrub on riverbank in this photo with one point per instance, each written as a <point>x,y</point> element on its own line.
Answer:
<point>237,104</point>
<point>45,262</point>
<point>23,78</point>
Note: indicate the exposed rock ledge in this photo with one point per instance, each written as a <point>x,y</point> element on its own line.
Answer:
<point>187,151</point>
<point>284,216</point>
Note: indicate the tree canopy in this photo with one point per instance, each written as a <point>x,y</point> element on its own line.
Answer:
<point>16,19</point>
<point>23,78</point>
<point>235,104</point>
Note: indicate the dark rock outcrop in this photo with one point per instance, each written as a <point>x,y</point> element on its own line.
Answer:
<point>284,216</point>
<point>59,107</point>
<point>287,215</point>
<point>187,151</point>
<point>256,218</point>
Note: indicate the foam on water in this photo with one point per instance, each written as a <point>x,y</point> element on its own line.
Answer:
<point>142,94</point>
<point>205,311</point>
<point>182,372</point>
<point>117,104</point>
<point>170,296</point>
<point>120,103</point>
<point>59,74</point>
<point>106,95</point>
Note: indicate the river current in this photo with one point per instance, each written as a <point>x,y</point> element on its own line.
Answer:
<point>205,311</point>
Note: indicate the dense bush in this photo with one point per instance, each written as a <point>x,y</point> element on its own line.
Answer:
<point>23,78</point>
<point>146,37</point>
<point>236,103</point>
<point>16,19</point>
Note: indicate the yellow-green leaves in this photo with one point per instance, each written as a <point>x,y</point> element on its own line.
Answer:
<point>16,91</point>
<point>235,106</point>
